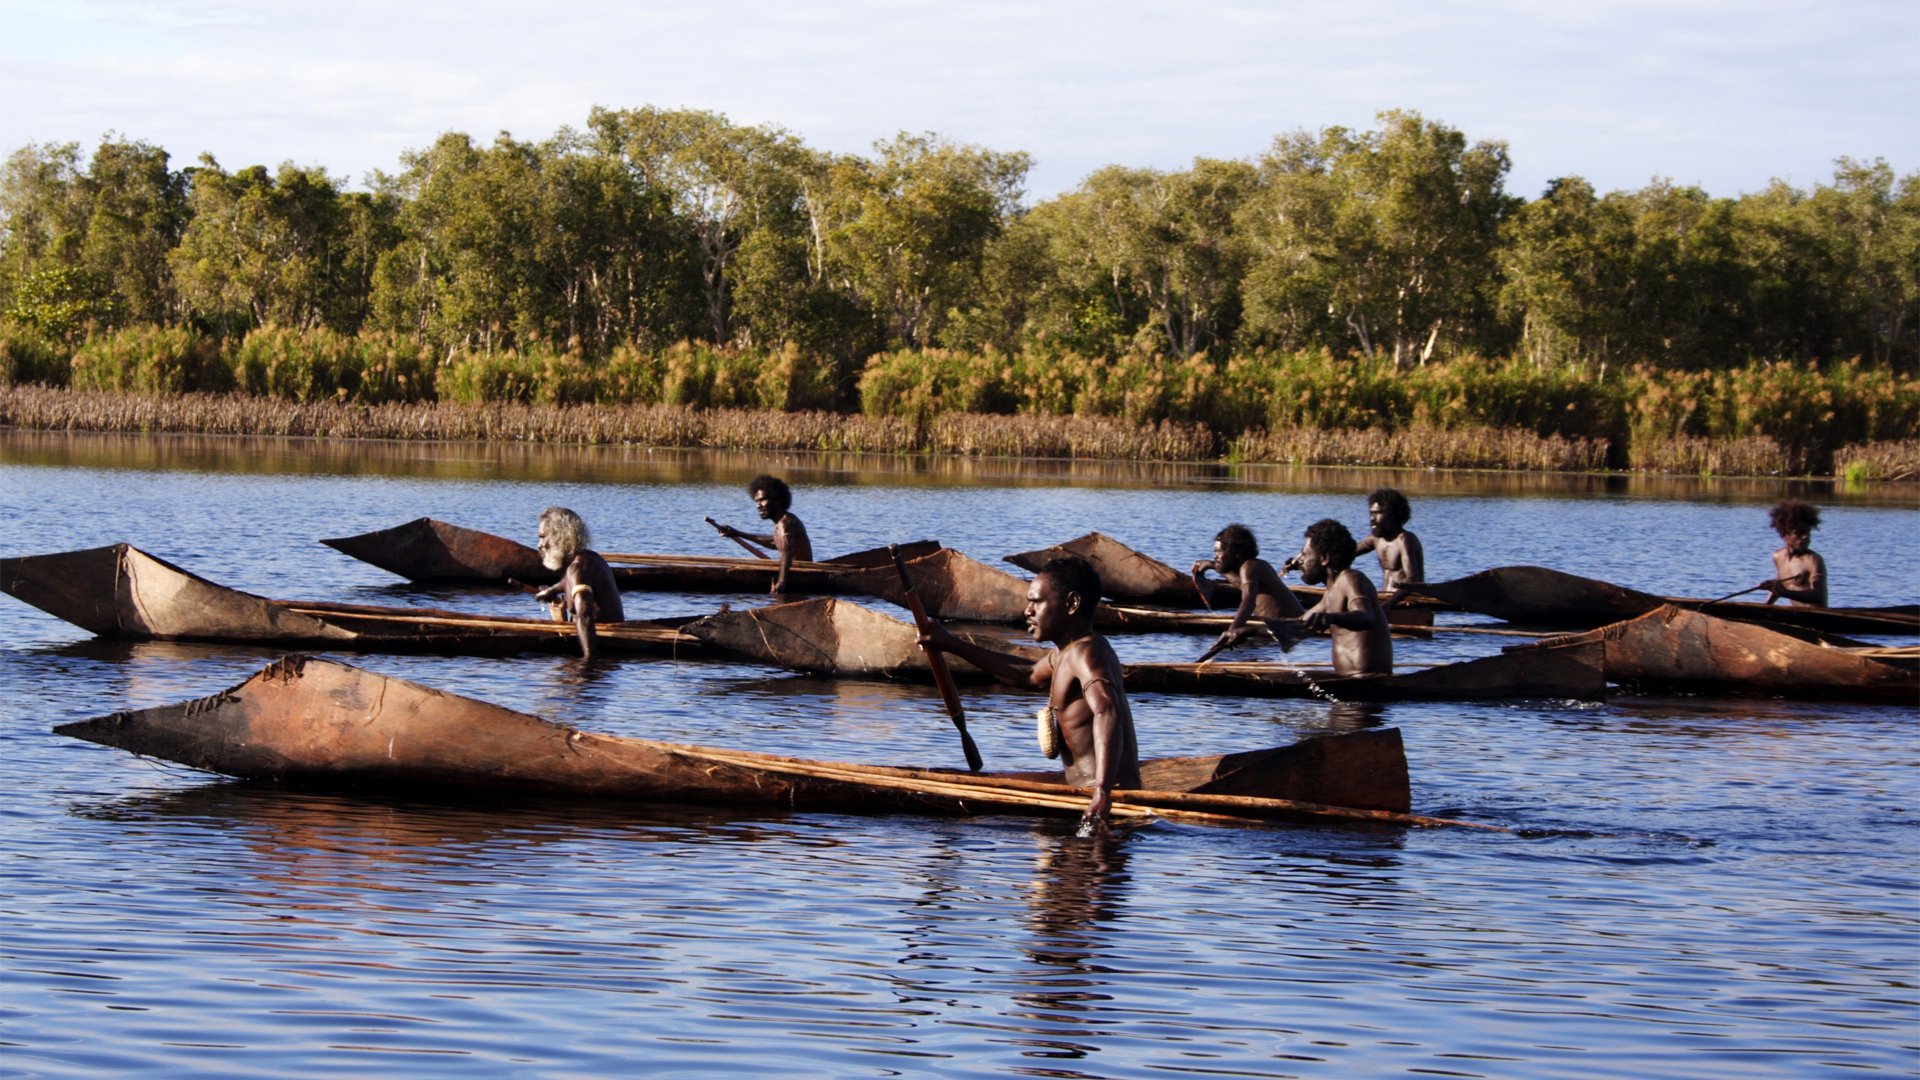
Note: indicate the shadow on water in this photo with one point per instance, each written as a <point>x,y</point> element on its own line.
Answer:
<point>477,461</point>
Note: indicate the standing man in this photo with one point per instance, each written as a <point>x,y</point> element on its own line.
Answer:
<point>1263,594</point>
<point>1349,610</point>
<point>586,592</point>
<point>774,499</point>
<point>1401,560</point>
<point>1085,696</point>
<point>1799,573</point>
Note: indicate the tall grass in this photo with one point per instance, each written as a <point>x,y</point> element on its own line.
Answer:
<point>1305,407</point>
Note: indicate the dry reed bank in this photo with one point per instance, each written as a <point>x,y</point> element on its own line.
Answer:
<point>1307,408</point>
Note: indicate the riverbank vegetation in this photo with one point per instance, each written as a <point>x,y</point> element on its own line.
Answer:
<point>667,276</point>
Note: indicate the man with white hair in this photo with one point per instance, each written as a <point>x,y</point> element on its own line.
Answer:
<point>586,592</point>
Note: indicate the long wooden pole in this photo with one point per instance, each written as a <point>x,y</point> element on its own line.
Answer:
<point>1731,595</point>
<point>751,550</point>
<point>1174,805</point>
<point>942,677</point>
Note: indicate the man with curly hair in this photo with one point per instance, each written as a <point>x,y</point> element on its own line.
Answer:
<point>1402,562</point>
<point>789,541</point>
<point>586,592</point>
<point>1263,595</point>
<point>1349,610</point>
<point>1800,574</point>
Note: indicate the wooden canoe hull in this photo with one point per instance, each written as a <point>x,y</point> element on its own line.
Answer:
<point>120,591</point>
<point>430,551</point>
<point>1536,595</point>
<point>1126,575</point>
<point>833,637</point>
<point>312,721</point>
<point>1539,596</point>
<point>1675,649</point>
<point>123,592</point>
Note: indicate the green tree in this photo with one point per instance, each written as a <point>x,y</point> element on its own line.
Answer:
<point>137,211</point>
<point>114,222</point>
<point>1394,230</point>
<point>265,248</point>
<point>906,233</point>
<point>1566,270</point>
<point>739,191</point>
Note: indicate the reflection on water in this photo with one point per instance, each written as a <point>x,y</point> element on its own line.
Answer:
<point>619,464</point>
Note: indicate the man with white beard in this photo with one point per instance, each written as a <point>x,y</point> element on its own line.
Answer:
<point>586,592</point>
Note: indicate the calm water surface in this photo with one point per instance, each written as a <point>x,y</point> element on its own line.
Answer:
<point>1705,888</point>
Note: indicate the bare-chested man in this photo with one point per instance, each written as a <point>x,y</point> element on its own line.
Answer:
<point>1263,595</point>
<point>1401,560</point>
<point>586,592</point>
<point>789,541</point>
<point>1081,677</point>
<point>1799,573</point>
<point>1349,610</point>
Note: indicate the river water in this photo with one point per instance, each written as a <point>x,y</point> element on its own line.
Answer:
<point>1701,887</point>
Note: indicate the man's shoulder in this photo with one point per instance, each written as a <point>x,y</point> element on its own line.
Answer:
<point>1093,649</point>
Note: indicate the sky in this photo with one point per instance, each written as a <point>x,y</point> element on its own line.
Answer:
<point>1722,94</point>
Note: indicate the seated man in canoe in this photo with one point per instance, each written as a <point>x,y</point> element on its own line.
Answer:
<point>1401,560</point>
<point>1263,595</point>
<point>1799,573</point>
<point>586,592</point>
<point>1349,610</point>
<point>789,541</point>
<point>1087,711</point>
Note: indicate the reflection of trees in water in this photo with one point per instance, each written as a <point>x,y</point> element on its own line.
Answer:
<point>624,464</point>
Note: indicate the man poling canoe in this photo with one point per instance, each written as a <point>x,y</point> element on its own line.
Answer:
<point>788,541</point>
<point>1082,677</point>
<point>1800,574</point>
<point>1349,610</point>
<point>1263,593</point>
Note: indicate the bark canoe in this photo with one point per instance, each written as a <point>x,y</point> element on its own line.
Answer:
<point>1672,648</point>
<point>1535,595</point>
<point>310,721</point>
<point>120,591</point>
<point>834,637</point>
<point>430,551</point>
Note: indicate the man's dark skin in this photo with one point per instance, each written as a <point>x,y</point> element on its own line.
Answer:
<point>586,592</point>
<point>789,539</point>
<point>1800,574</point>
<point>1402,562</point>
<point>1263,593</point>
<point>1349,610</point>
<point>1082,680</point>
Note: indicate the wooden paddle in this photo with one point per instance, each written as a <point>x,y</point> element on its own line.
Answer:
<point>942,677</point>
<point>722,530</point>
<point>1731,595</point>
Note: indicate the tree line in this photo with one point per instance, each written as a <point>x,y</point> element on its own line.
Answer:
<point>651,227</point>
